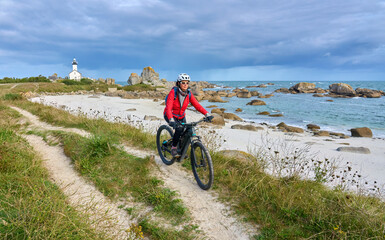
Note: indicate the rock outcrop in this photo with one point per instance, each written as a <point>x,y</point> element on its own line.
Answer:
<point>342,89</point>
<point>303,87</point>
<point>221,112</point>
<point>276,115</point>
<point>287,128</point>
<point>336,90</point>
<point>148,76</point>
<point>282,90</point>
<point>256,103</point>
<point>151,118</point>
<point>232,116</point>
<point>248,127</point>
<point>218,120</point>
<point>110,81</point>
<point>134,79</point>
<point>231,94</point>
<point>362,150</point>
<point>263,113</point>
<point>218,110</point>
<point>265,96</point>
<point>322,133</point>
<point>216,98</point>
<point>361,132</point>
<point>368,93</point>
<point>244,93</point>
<point>255,93</point>
<point>313,127</point>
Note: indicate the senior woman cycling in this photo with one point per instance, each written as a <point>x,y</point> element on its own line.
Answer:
<point>176,105</point>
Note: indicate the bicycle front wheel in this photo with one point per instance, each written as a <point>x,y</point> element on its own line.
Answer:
<point>202,165</point>
<point>163,143</point>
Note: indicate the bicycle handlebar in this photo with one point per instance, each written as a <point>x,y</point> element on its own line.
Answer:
<point>191,124</point>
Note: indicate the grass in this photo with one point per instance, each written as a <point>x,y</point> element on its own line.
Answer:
<point>83,81</point>
<point>65,86</point>
<point>23,80</point>
<point>122,132</point>
<point>60,87</point>
<point>118,174</point>
<point>290,208</point>
<point>167,234</point>
<point>113,171</point>
<point>31,206</point>
<point>139,87</point>
<point>12,96</point>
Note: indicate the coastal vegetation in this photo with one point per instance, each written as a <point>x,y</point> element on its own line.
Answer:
<point>58,87</point>
<point>284,206</point>
<point>31,206</point>
<point>115,173</point>
<point>39,78</point>
<point>139,87</point>
<point>83,81</point>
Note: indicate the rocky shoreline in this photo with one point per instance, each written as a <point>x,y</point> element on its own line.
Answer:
<point>337,90</point>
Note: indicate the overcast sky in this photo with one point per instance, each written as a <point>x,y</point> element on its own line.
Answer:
<point>211,40</point>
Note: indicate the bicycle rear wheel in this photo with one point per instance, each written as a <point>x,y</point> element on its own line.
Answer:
<point>163,143</point>
<point>202,165</point>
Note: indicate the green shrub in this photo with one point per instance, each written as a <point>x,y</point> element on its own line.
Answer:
<point>99,146</point>
<point>12,96</point>
<point>40,78</point>
<point>71,82</point>
<point>86,81</point>
<point>83,81</point>
<point>139,87</point>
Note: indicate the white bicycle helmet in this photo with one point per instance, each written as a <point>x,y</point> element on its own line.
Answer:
<point>183,77</point>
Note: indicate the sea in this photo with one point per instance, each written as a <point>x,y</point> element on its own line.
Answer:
<point>340,115</point>
<point>298,110</point>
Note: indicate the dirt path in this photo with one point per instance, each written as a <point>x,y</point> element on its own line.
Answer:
<point>213,217</point>
<point>39,124</point>
<point>104,214</point>
<point>13,86</point>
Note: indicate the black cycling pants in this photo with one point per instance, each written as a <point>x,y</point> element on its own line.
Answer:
<point>178,131</point>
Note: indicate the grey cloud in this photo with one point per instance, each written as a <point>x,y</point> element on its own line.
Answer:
<point>217,33</point>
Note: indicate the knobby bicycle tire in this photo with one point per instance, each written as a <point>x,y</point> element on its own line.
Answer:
<point>202,165</point>
<point>163,143</point>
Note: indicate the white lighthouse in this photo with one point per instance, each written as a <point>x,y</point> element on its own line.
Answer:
<point>75,75</point>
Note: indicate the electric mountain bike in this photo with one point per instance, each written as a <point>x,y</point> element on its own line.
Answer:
<point>201,162</point>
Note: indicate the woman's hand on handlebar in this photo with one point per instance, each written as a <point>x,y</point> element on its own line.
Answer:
<point>172,123</point>
<point>208,117</point>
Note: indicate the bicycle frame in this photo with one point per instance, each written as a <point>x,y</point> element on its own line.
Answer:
<point>201,162</point>
<point>192,137</point>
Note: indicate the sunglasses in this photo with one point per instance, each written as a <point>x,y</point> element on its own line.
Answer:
<point>185,83</point>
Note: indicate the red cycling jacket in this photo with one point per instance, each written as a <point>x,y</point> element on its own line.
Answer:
<point>173,108</point>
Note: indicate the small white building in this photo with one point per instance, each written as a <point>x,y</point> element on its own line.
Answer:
<point>75,75</point>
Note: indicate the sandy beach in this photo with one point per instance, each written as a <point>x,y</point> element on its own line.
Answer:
<point>133,111</point>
